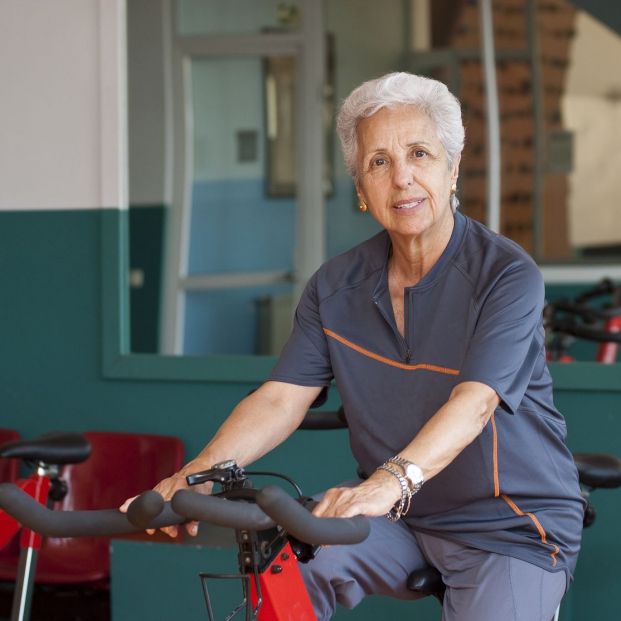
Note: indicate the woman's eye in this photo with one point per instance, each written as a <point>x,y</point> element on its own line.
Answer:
<point>378,161</point>
<point>420,153</point>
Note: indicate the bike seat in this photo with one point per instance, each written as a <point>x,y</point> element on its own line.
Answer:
<point>427,581</point>
<point>51,448</point>
<point>598,470</point>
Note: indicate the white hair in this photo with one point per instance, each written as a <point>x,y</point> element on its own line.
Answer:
<point>395,89</point>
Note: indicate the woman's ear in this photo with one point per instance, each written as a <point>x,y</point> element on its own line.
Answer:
<point>455,171</point>
<point>362,204</point>
<point>359,193</point>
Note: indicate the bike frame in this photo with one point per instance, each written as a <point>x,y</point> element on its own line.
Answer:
<point>607,352</point>
<point>283,593</point>
<point>272,584</point>
<point>38,486</point>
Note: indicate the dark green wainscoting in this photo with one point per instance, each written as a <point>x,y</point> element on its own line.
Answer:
<point>52,376</point>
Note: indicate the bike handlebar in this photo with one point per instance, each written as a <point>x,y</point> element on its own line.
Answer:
<point>273,506</point>
<point>221,511</point>
<point>303,525</point>
<point>92,523</point>
<point>585,332</point>
<point>587,313</point>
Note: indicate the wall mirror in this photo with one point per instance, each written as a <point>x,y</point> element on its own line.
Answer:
<point>210,288</point>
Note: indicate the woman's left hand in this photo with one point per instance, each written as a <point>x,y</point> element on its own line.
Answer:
<point>375,496</point>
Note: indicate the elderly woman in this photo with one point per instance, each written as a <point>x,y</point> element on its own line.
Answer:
<point>432,330</point>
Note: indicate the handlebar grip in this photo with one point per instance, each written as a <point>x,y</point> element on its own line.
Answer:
<point>150,511</point>
<point>42,520</point>
<point>303,525</point>
<point>239,515</point>
<point>591,334</point>
<point>93,523</point>
<point>587,313</point>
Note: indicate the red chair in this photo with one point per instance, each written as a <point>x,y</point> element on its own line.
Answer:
<point>121,465</point>
<point>8,467</point>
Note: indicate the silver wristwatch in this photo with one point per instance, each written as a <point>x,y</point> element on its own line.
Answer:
<point>412,472</point>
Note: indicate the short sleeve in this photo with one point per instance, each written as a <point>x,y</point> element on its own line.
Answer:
<point>305,359</point>
<point>508,337</point>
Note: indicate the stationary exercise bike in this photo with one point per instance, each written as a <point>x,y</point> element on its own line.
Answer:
<point>47,454</point>
<point>594,315</point>
<point>274,533</point>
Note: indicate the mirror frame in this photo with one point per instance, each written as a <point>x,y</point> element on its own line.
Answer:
<point>119,363</point>
<point>117,360</point>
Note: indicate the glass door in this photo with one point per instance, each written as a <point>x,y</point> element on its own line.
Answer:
<point>238,282</point>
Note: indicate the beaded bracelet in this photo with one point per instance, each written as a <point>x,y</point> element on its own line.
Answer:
<point>402,506</point>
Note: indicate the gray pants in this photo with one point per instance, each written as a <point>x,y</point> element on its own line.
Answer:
<point>481,586</point>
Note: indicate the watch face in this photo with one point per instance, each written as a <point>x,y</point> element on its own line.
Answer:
<point>223,465</point>
<point>415,474</point>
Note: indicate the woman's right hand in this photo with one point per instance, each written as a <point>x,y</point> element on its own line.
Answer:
<point>167,488</point>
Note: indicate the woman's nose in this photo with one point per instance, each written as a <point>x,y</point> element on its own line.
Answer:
<point>403,174</point>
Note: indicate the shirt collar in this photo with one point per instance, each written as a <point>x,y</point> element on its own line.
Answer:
<point>380,293</point>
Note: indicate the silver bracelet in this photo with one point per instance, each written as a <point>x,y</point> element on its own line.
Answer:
<point>406,465</point>
<point>402,506</point>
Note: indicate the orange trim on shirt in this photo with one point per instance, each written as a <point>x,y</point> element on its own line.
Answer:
<point>538,526</point>
<point>389,361</point>
<point>542,533</point>
<point>495,457</point>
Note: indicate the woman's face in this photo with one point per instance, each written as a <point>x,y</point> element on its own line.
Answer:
<point>403,173</point>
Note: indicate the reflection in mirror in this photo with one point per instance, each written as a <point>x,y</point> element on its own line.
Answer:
<point>558,116</point>
<point>558,109</point>
<point>241,243</point>
<point>227,260</point>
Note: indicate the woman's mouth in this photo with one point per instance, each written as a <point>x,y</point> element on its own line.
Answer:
<point>408,203</point>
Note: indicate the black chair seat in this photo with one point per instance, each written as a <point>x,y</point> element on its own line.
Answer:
<point>427,581</point>
<point>51,448</point>
<point>598,470</point>
<point>324,420</point>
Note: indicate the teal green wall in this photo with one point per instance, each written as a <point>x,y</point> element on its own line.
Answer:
<point>146,246</point>
<point>51,378</point>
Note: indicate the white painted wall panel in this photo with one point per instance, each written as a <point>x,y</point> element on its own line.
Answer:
<point>61,133</point>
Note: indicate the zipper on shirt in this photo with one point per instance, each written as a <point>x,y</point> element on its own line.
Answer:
<point>406,324</point>
<point>405,348</point>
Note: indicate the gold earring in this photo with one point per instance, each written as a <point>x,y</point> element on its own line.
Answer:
<point>454,188</point>
<point>363,206</point>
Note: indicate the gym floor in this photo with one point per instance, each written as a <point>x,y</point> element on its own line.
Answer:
<point>60,603</point>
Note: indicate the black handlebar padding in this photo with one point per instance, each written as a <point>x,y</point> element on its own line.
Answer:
<point>42,520</point>
<point>588,313</point>
<point>150,508</point>
<point>591,334</point>
<point>236,514</point>
<point>101,522</point>
<point>303,525</point>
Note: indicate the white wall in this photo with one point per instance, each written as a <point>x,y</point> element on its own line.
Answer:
<point>62,108</point>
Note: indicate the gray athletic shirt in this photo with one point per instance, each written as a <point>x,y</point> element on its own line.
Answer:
<point>476,316</point>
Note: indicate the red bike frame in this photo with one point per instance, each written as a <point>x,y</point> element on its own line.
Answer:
<point>283,592</point>
<point>607,352</point>
<point>38,486</point>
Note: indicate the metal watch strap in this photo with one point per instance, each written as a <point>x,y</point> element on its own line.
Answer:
<point>404,463</point>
